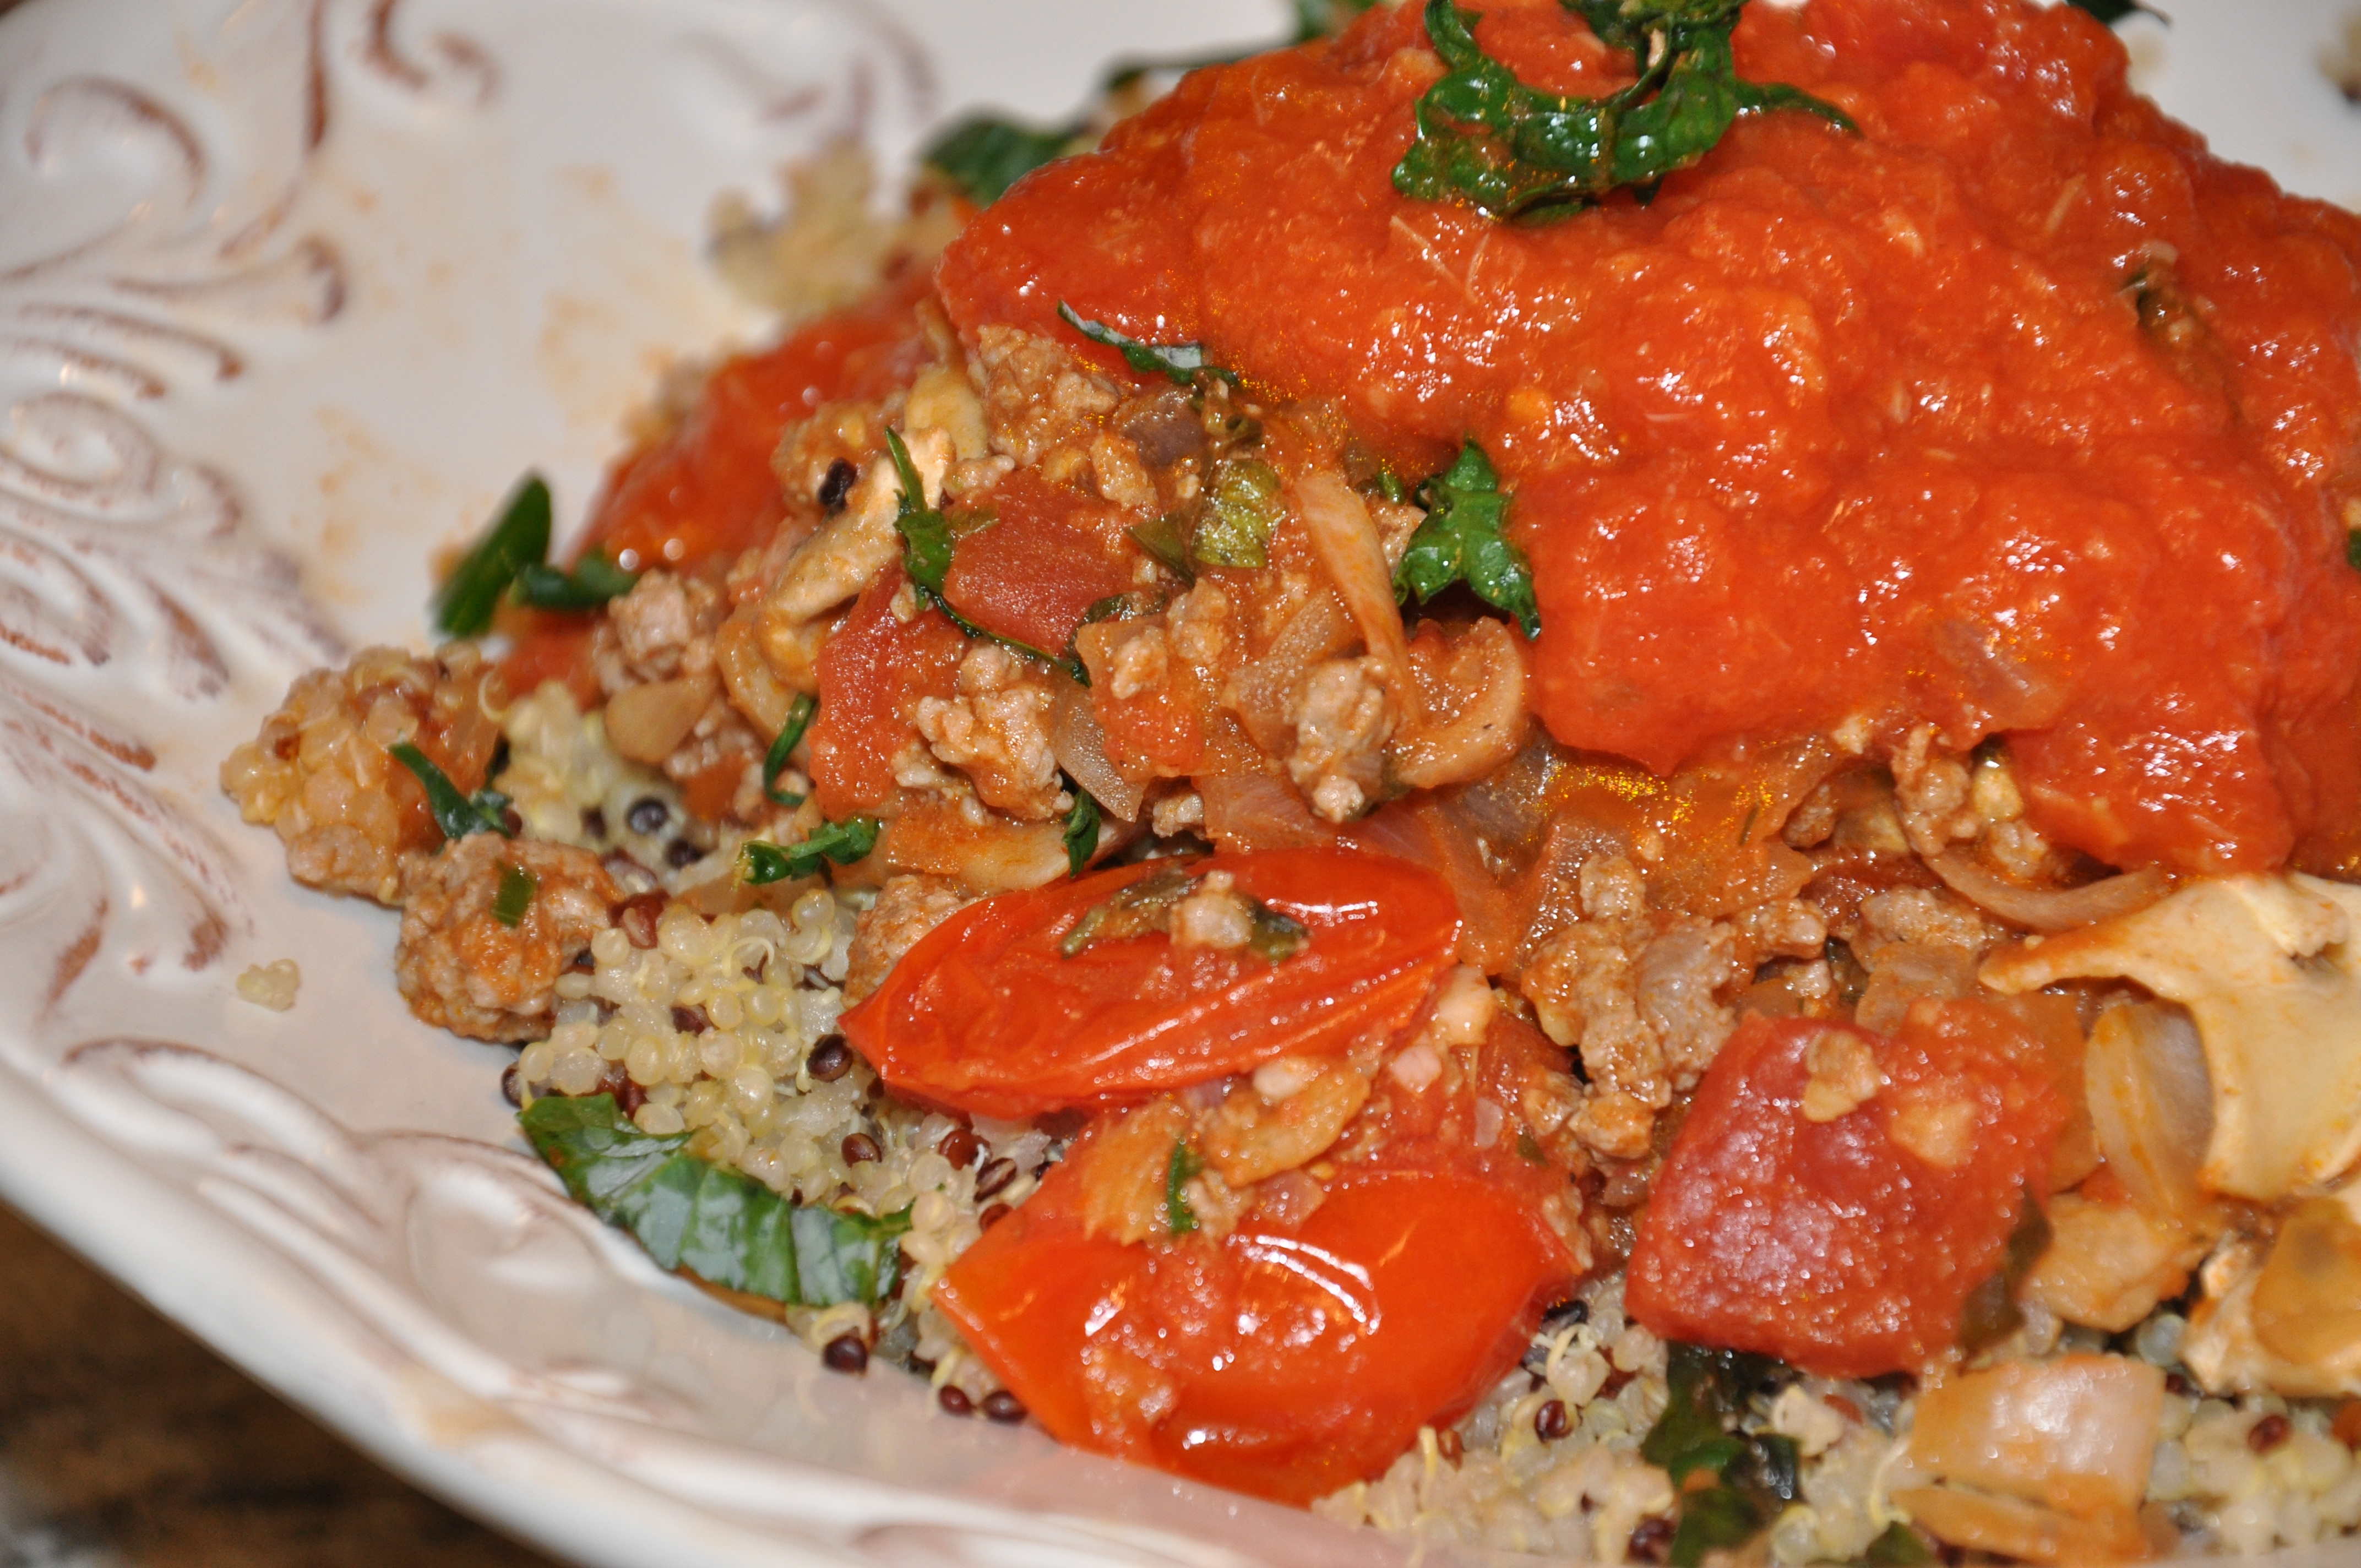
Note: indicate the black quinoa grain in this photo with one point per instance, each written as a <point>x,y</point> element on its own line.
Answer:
<point>511,821</point>
<point>2178,1383</point>
<point>837,483</point>
<point>1651,1540</point>
<point>954,1400</point>
<point>847,1352</point>
<point>1004,1407</point>
<point>648,815</point>
<point>1551,1422</point>
<point>860,1146</point>
<point>594,822</point>
<point>585,962</point>
<point>512,1086</point>
<point>680,853</point>
<point>994,1177</point>
<point>2268,1433</point>
<point>830,1060</point>
<point>958,1145</point>
<point>690,1020</point>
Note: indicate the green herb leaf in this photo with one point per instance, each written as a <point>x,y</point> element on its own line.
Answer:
<point>457,814</point>
<point>1712,1518</point>
<point>1183,362</point>
<point>594,581</point>
<point>1277,937</point>
<point>1707,1393</point>
<point>1899,1547</point>
<point>1462,539</point>
<point>1516,153</point>
<point>2352,548</point>
<point>1528,1149</point>
<point>842,842</point>
<point>1164,538</point>
<point>519,538</point>
<point>2114,11</point>
<point>1241,508</point>
<point>1137,909</point>
<point>1324,18</point>
<point>1991,1313</point>
<point>783,749</point>
<point>927,537</point>
<point>983,155</point>
<point>1081,832</point>
<point>724,1227</point>
<point>1183,1169</point>
<point>515,897</point>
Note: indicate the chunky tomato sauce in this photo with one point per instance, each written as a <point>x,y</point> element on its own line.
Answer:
<point>2016,411</point>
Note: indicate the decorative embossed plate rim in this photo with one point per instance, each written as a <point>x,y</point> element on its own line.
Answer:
<point>288,291</point>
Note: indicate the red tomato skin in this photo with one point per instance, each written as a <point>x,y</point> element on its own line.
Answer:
<point>1282,1362</point>
<point>1831,1246</point>
<point>705,487</point>
<point>986,1015</point>
<point>552,647</point>
<point>872,673</point>
<point>1036,569</point>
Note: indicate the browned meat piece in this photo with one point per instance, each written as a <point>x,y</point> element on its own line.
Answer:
<point>461,967</point>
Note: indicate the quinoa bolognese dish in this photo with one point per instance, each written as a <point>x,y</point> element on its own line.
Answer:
<point>1580,775</point>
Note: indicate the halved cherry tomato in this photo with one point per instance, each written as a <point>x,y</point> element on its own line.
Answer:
<point>1035,571</point>
<point>984,1014</point>
<point>1849,1246</point>
<point>1282,1360</point>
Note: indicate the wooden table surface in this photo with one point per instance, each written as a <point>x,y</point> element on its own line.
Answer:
<point>125,1443</point>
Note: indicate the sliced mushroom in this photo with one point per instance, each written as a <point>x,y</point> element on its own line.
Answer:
<point>2269,970</point>
<point>2284,1314</point>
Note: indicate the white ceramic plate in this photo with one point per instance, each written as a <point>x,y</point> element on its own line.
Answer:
<point>290,290</point>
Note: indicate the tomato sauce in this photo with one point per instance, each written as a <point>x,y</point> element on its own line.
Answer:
<point>2016,411</point>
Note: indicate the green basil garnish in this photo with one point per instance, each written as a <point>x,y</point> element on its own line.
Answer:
<point>1082,831</point>
<point>1516,153</point>
<point>515,897</point>
<point>841,843</point>
<point>783,749</point>
<point>724,1227</point>
<point>593,582</point>
<point>2114,11</point>
<point>1754,1473</point>
<point>1179,1218</point>
<point>927,537</point>
<point>1464,539</point>
<point>1241,508</point>
<point>1182,362</point>
<point>519,538</point>
<point>486,811</point>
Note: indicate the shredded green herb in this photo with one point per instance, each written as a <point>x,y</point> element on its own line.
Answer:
<point>1277,937</point>
<point>1137,909</point>
<point>1754,1473</point>
<point>783,749</point>
<point>2352,548</point>
<point>1183,362</point>
<point>983,155</point>
<point>926,535</point>
<point>1241,508</point>
<point>1081,832</point>
<point>722,1226</point>
<point>517,539</point>
<point>1464,539</point>
<point>515,896</point>
<point>594,581</point>
<point>760,861</point>
<point>1179,1171</point>
<point>486,811</point>
<point>1165,539</point>
<point>1516,153</point>
<point>1899,1547</point>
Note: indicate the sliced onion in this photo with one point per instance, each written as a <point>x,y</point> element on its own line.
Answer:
<point>2076,1433</point>
<point>647,723</point>
<point>1346,542</point>
<point>2151,1105</point>
<point>1475,716</point>
<point>2049,909</point>
<point>1079,744</point>
<point>1259,691</point>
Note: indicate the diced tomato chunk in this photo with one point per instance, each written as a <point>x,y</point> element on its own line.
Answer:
<point>551,647</point>
<point>1033,573</point>
<point>1282,1360</point>
<point>1847,1246</point>
<point>706,488</point>
<point>987,1014</point>
<point>872,673</point>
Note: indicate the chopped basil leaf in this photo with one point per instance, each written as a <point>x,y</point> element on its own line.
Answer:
<point>1754,1475</point>
<point>1137,909</point>
<point>1516,153</point>
<point>2114,11</point>
<point>1323,19</point>
<point>1899,1547</point>
<point>791,735</point>
<point>983,155</point>
<point>457,814</point>
<point>1462,540</point>
<point>1712,1518</point>
<point>1277,937</point>
<point>842,842</point>
<point>2352,548</point>
<point>1240,511</point>
<point>1183,362</point>
<point>724,1227</point>
<point>519,538</point>
<point>515,897</point>
<point>1081,832</point>
<point>594,581</point>
<point>1179,1171</point>
<point>1164,540</point>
